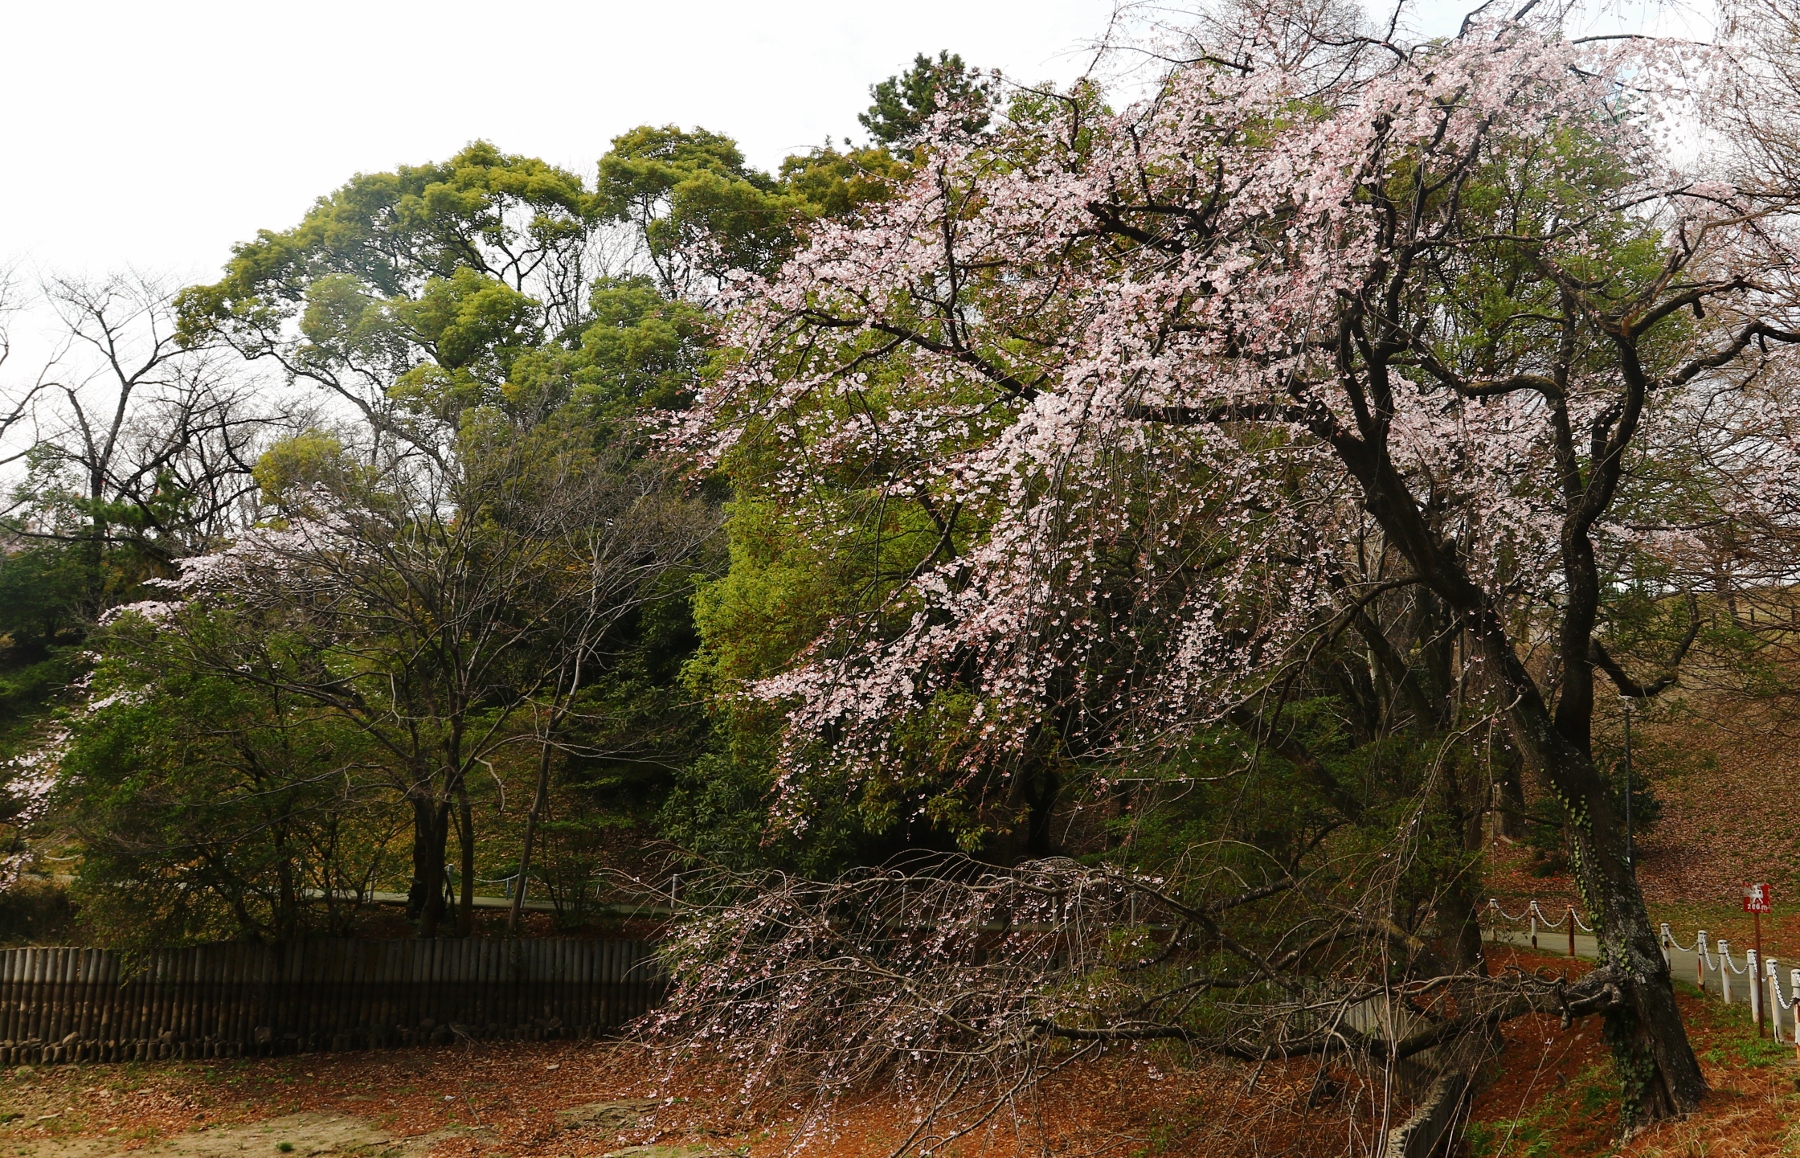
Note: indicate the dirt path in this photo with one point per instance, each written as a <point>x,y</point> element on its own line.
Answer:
<point>305,1135</point>
<point>521,1100</point>
<point>593,1100</point>
<point>298,1134</point>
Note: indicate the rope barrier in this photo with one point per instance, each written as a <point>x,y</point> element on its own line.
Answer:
<point>1772,979</point>
<point>1523,913</point>
<point>1669,939</point>
<point>1768,1000</point>
<point>1548,923</point>
<point>1794,988</point>
<point>1709,957</point>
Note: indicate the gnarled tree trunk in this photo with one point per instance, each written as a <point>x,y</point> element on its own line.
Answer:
<point>1657,1069</point>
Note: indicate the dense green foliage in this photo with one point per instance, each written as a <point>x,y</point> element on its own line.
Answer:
<point>499,327</point>
<point>532,644</point>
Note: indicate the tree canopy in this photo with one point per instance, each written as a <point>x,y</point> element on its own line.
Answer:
<point>1126,555</point>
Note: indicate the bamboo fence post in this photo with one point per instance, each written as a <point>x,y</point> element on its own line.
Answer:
<point>9,959</point>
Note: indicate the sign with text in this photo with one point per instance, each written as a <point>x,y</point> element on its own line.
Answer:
<point>1756,898</point>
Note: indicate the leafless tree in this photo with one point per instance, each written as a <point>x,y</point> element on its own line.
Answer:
<point>15,403</point>
<point>609,568</point>
<point>961,986</point>
<point>136,440</point>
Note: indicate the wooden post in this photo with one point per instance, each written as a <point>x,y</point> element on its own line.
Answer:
<point>1756,924</point>
<point>1571,930</point>
<point>9,987</point>
<point>1794,996</point>
<point>1754,968</point>
<point>1772,983</point>
<point>1700,960</point>
<point>11,962</point>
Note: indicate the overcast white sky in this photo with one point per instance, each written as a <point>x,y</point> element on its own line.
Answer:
<point>157,132</point>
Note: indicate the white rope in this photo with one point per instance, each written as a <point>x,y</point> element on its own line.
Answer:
<point>1765,984</point>
<point>1669,939</point>
<point>1523,913</point>
<point>1548,923</point>
<point>1532,909</point>
<point>1710,957</point>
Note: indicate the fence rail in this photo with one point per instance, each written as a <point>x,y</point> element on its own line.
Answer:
<point>66,1004</point>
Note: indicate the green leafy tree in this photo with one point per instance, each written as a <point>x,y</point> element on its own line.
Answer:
<point>209,806</point>
<point>421,286</point>
<point>905,103</point>
<point>700,210</point>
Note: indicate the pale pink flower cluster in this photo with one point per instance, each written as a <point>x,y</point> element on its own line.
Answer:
<point>30,779</point>
<point>1018,341</point>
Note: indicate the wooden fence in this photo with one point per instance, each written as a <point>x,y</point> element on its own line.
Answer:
<point>63,1005</point>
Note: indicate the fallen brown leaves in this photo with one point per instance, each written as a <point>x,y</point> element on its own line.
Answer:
<point>1550,1088</point>
<point>504,1099</point>
<point>1553,1092</point>
<point>1729,817</point>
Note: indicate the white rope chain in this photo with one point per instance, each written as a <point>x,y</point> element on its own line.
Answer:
<point>1715,956</point>
<point>1566,915</point>
<point>1523,913</point>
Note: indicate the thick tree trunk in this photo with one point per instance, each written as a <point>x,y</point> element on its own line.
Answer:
<point>1659,1075</point>
<point>1658,1072</point>
<point>1460,905</point>
<point>1509,782</point>
<point>425,897</point>
<point>1042,790</point>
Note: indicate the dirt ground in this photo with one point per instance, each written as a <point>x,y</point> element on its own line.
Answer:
<point>524,1099</point>
<point>1553,1093</point>
<point>582,1100</point>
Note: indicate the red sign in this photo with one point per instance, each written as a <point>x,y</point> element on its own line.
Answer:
<point>1756,898</point>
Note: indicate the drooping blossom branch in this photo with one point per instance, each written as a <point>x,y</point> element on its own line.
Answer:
<point>1167,393</point>
<point>962,986</point>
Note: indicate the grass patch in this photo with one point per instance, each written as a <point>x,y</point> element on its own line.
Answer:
<point>1539,1132</point>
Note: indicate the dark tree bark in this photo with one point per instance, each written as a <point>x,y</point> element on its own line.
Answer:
<point>1509,785</point>
<point>1659,1073</point>
<point>539,798</point>
<point>431,833</point>
<point>465,841</point>
<point>1042,788</point>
